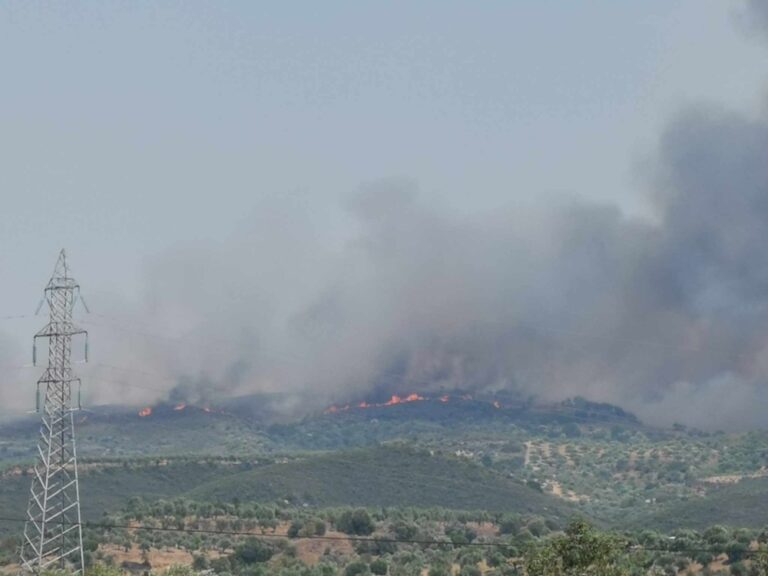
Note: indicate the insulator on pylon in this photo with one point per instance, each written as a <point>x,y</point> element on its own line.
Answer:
<point>34,352</point>
<point>37,399</point>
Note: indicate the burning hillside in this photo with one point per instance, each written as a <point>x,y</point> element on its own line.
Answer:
<point>176,408</point>
<point>462,405</point>
<point>396,400</point>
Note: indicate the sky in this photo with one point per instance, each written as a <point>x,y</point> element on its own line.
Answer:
<point>209,166</point>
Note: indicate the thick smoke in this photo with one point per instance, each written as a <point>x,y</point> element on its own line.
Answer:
<point>15,393</point>
<point>666,316</point>
<point>758,13</point>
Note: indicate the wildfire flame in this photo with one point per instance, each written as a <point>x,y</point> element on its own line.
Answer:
<point>398,400</point>
<point>395,400</point>
<point>148,411</point>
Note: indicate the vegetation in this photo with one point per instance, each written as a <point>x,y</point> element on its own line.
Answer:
<point>462,489</point>
<point>383,476</point>
<point>248,538</point>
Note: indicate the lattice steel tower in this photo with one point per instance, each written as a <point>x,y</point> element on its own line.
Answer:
<point>52,534</point>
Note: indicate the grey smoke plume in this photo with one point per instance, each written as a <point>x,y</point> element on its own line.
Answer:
<point>666,316</point>
<point>758,12</point>
<point>14,387</point>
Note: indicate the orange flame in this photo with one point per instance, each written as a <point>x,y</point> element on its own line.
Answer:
<point>413,397</point>
<point>395,399</point>
<point>399,400</point>
<point>145,412</point>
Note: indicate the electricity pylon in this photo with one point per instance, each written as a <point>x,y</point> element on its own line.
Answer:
<point>53,537</point>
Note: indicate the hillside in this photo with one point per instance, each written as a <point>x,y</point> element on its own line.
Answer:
<point>109,486</point>
<point>245,426</point>
<point>742,504</point>
<point>380,476</point>
<point>384,476</point>
<point>117,431</point>
<point>588,457</point>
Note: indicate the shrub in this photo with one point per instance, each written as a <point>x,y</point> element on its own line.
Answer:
<point>379,567</point>
<point>357,522</point>
<point>252,551</point>
<point>356,568</point>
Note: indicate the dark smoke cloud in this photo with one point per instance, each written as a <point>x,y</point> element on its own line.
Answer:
<point>667,316</point>
<point>758,13</point>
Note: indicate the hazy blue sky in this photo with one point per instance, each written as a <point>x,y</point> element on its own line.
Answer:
<point>129,128</point>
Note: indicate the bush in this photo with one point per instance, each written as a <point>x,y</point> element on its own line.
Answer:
<point>356,568</point>
<point>293,529</point>
<point>440,570</point>
<point>460,534</point>
<point>102,570</point>
<point>200,563</point>
<point>357,522</point>
<point>405,530</point>
<point>252,551</point>
<point>178,570</point>
<point>379,567</point>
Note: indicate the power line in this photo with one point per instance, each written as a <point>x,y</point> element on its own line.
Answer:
<point>16,316</point>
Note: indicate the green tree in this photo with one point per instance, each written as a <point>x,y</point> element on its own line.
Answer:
<point>581,551</point>
<point>357,522</point>
<point>356,568</point>
<point>252,551</point>
<point>760,561</point>
<point>379,567</point>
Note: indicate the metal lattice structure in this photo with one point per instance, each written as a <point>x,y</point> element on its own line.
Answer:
<point>53,536</point>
